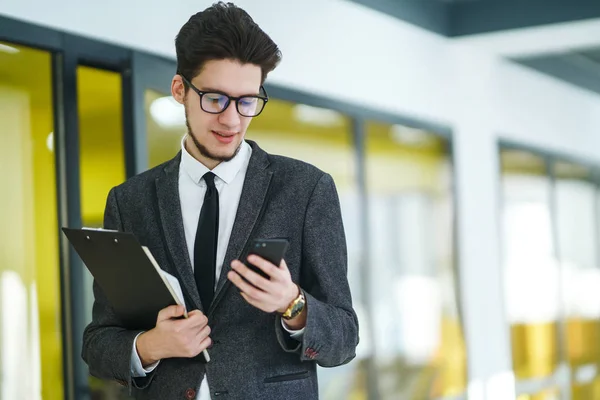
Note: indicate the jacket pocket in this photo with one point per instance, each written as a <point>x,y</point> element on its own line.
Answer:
<point>287,377</point>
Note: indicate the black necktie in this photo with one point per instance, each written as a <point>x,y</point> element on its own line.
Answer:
<point>205,246</point>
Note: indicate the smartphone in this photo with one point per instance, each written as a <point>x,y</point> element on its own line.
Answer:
<point>271,250</point>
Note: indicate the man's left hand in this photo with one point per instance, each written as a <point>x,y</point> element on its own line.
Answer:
<point>267,295</point>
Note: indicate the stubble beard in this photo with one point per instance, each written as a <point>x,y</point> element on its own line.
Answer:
<point>204,151</point>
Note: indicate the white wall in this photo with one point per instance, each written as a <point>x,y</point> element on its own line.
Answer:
<point>343,50</point>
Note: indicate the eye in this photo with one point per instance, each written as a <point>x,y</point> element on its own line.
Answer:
<point>214,98</point>
<point>247,104</point>
<point>247,101</point>
<point>214,102</point>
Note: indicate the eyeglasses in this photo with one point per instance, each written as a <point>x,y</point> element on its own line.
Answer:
<point>216,102</point>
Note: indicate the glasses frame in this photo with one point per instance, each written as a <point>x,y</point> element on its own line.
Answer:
<point>201,93</point>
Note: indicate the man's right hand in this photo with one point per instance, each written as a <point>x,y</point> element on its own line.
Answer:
<point>174,337</point>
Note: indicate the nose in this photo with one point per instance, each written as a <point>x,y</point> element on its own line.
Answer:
<point>230,117</point>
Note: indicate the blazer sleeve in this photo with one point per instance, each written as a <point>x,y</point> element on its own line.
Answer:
<point>106,345</point>
<point>331,333</point>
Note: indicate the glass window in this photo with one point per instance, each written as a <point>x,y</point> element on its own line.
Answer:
<point>419,345</point>
<point>165,126</point>
<point>576,205</point>
<point>30,318</point>
<point>552,271</point>
<point>530,266</point>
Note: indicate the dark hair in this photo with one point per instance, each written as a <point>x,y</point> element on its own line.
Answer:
<point>223,31</point>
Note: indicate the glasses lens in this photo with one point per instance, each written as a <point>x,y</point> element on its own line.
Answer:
<point>250,106</point>
<point>214,102</point>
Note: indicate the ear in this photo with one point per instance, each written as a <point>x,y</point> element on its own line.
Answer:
<point>178,89</point>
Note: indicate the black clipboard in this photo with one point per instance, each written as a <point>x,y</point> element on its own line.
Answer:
<point>126,272</point>
<point>133,282</point>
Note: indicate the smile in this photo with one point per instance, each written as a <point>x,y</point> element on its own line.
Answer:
<point>224,135</point>
<point>224,138</point>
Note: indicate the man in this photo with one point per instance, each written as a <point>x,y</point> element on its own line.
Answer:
<point>199,212</point>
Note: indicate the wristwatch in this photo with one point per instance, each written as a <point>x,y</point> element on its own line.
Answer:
<point>295,307</point>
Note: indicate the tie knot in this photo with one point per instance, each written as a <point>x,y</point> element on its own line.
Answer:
<point>209,178</point>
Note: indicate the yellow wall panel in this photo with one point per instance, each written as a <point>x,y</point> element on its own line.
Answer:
<point>30,327</point>
<point>102,154</point>
<point>534,349</point>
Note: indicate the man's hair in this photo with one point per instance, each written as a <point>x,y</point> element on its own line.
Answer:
<point>224,31</point>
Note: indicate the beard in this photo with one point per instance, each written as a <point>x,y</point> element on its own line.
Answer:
<point>204,151</point>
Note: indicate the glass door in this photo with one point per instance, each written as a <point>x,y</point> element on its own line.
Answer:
<point>575,194</point>
<point>419,344</point>
<point>30,309</point>
<point>96,93</point>
<point>101,166</point>
<point>531,273</point>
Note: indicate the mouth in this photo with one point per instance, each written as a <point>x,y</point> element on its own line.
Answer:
<point>224,137</point>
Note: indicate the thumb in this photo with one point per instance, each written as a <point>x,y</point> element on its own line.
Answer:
<point>170,312</point>
<point>283,265</point>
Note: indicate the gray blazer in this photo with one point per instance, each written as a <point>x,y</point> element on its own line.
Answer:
<point>252,357</point>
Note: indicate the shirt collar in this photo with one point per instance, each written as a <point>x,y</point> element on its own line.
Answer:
<point>226,170</point>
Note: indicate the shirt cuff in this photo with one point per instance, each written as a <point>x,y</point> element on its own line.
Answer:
<point>137,370</point>
<point>296,335</point>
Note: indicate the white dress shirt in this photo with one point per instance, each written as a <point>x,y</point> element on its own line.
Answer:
<point>229,182</point>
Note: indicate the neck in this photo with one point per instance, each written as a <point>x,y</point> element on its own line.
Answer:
<point>193,150</point>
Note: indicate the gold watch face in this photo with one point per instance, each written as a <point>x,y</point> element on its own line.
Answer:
<point>296,307</point>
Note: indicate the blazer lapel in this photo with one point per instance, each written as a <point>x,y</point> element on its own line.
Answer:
<point>169,208</point>
<point>251,206</point>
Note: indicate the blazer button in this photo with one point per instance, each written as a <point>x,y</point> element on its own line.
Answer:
<point>190,394</point>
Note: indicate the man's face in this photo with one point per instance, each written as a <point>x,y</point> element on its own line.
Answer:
<point>217,137</point>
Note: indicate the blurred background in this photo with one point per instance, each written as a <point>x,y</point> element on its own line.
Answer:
<point>463,137</point>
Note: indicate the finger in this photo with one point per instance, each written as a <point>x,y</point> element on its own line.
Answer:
<point>283,272</point>
<point>198,347</point>
<point>264,265</point>
<point>196,318</point>
<point>205,344</point>
<point>283,266</point>
<point>196,313</point>
<point>203,333</point>
<point>251,276</point>
<point>170,312</point>
<point>245,287</point>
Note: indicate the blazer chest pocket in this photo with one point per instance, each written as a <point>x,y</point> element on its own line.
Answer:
<point>288,377</point>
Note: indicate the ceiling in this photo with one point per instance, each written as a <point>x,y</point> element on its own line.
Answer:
<point>484,21</point>
<point>457,18</point>
<point>577,67</point>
